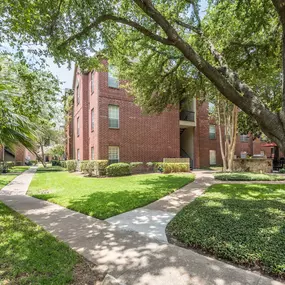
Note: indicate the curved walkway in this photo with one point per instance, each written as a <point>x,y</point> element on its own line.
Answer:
<point>132,258</point>
<point>152,219</point>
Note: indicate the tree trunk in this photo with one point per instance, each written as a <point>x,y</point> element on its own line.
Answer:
<point>42,155</point>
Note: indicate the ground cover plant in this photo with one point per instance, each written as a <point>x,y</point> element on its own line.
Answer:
<point>241,223</point>
<point>104,197</point>
<point>247,176</point>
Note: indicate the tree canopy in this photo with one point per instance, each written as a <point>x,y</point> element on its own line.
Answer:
<point>27,101</point>
<point>165,50</point>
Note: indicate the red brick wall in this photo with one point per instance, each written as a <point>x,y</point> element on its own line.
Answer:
<point>94,103</point>
<point>140,137</point>
<point>81,110</point>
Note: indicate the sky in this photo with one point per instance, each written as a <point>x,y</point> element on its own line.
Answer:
<point>63,73</point>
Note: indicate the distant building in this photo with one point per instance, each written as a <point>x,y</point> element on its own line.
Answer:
<point>19,155</point>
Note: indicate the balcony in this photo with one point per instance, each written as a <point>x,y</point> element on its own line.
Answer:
<point>187,116</point>
<point>187,119</point>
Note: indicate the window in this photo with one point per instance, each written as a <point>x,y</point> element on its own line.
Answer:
<point>78,127</point>
<point>92,120</point>
<point>113,154</point>
<point>244,138</point>
<point>78,93</point>
<point>78,154</point>
<point>112,79</point>
<point>211,108</point>
<point>212,132</point>
<point>92,86</point>
<point>92,153</point>
<point>212,157</point>
<point>113,115</point>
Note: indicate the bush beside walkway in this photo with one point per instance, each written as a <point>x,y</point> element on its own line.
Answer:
<point>240,223</point>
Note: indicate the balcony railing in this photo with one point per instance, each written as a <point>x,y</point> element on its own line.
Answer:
<point>187,116</point>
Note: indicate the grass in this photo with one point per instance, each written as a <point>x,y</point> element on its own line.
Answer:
<point>241,223</point>
<point>18,169</point>
<point>247,176</point>
<point>30,255</point>
<point>104,197</point>
<point>6,178</point>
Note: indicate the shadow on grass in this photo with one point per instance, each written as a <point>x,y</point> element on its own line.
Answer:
<point>243,224</point>
<point>29,255</point>
<point>111,202</point>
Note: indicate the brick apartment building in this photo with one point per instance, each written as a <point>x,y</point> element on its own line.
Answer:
<point>104,123</point>
<point>19,155</point>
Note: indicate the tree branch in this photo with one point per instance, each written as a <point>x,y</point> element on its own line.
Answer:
<point>105,18</point>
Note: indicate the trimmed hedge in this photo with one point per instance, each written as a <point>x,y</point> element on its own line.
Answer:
<point>247,176</point>
<point>102,165</point>
<point>166,167</point>
<point>63,164</point>
<point>118,169</point>
<point>83,165</point>
<point>175,167</point>
<point>71,165</point>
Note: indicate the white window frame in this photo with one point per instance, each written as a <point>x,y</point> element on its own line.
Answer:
<point>78,126</point>
<point>112,117</point>
<point>78,92</point>
<point>210,157</point>
<point>92,153</point>
<point>244,138</point>
<point>113,81</point>
<point>211,108</point>
<point>212,135</point>
<point>92,82</point>
<point>92,115</point>
<point>115,149</point>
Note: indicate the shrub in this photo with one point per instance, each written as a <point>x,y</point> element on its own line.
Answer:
<point>118,169</point>
<point>175,167</point>
<point>55,162</point>
<point>282,170</point>
<point>102,165</point>
<point>71,165</point>
<point>33,162</point>
<point>135,164</point>
<point>10,164</point>
<point>63,163</point>
<point>137,167</point>
<point>83,165</point>
<point>158,166</point>
<point>91,167</point>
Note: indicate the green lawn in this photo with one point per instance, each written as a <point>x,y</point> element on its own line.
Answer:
<point>30,255</point>
<point>6,178</point>
<point>241,223</point>
<point>18,169</point>
<point>247,176</point>
<point>104,197</point>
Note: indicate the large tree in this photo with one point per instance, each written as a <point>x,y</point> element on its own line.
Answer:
<point>27,102</point>
<point>233,47</point>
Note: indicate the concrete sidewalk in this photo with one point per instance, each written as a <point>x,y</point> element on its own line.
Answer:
<point>152,219</point>
<point>132,258</point>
